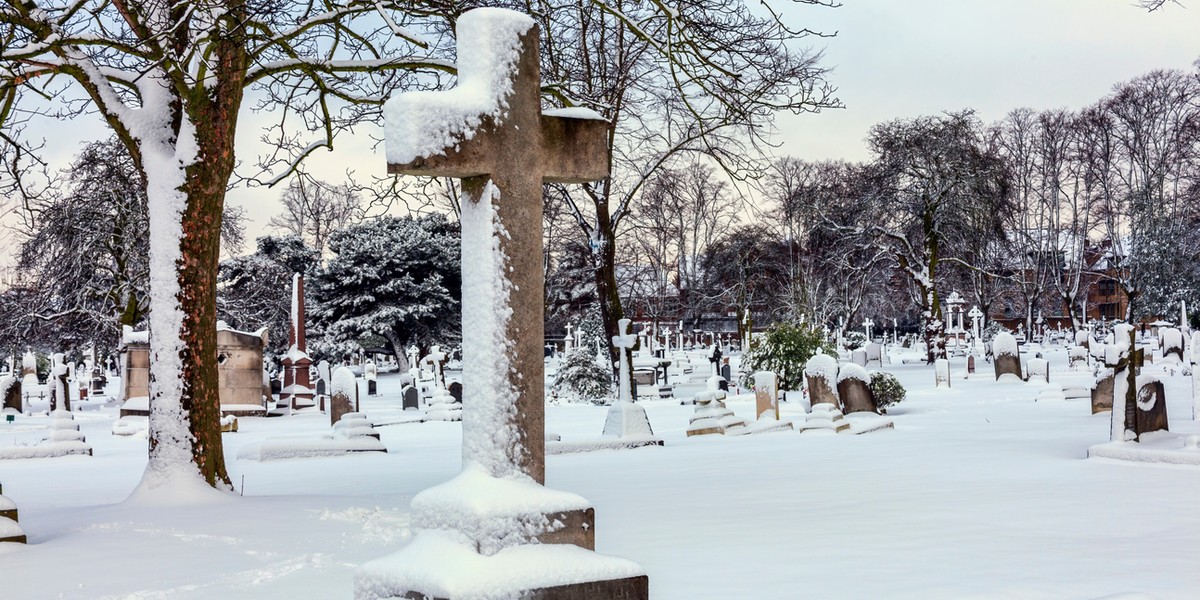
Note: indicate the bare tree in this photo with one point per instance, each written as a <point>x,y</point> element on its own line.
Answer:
<point>931,171</point>
<point>169,78</point>
<point>314,209</point>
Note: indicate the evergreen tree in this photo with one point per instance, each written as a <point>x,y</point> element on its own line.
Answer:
<point>395,277</point>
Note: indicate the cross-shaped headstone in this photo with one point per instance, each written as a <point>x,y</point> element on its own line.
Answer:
<point>435,358</point>
<point>503,147</point>
<point>567,340</point>
<point>625,341</point>
<point>868,324</point>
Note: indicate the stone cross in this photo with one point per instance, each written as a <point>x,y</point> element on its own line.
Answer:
<point>503,163</point>
<point>567,340</point>
<point>976,318</point>
<point>868,324</point>
<point>435,358</point>
<point>414,367</point>
<point>625,341</point>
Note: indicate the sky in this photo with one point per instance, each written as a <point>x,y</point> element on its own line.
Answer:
<point>891,59</point>
<point>900,59</point>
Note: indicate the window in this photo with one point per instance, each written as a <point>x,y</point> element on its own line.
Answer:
<point>1108,287</point>
<point>1111,310</point>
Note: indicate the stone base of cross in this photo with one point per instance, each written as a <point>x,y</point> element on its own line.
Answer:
<point>494,530</point>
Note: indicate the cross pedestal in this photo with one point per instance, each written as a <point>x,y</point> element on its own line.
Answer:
<point>478,533</point>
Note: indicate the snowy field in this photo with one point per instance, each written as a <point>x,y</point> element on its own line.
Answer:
<point>978,492</point>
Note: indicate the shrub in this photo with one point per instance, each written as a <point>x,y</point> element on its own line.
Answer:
<point>886,388</point>
<point>855,340</point>
<point>581,379</point>
<point>784,350</point>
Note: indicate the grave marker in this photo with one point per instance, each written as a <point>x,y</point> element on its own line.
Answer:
<point>492,134</point>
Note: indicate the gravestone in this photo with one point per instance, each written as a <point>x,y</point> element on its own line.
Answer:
<point>820,374</point>
<point>874,358</point>
<point>1194,347</point>
<point>371,374</point>
<point>10,393</point>
<point>859,357</point>
<point>971,364</point>
<point>456,391</point>
<point>726,372</point>
<point>1172,344</point>
<point>1006,356</point>
<point>766,395</point>
<point>854,390</point>
<point>1039,370</point>
<point>343,396</point>
<point>492,134</point>
<point>941,372</point>
<point>411,398</point>
<point>1151,413</point>
<point>1077,358</point>
<point>1102,392</point>
<point>296,387</point>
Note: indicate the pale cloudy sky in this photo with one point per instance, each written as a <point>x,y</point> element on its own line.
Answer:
<point>904,58</point>
<point>896,59</point>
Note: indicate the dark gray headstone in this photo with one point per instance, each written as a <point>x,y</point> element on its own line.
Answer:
<point>276,387</point>
<point>1151,409</point>
<point>727,374</point>
<point>372,388</point>
<point>856,396</point>
<point>971,364</point>
<point>412,398</point>
<point>455,389</point>
<point>321,387</point>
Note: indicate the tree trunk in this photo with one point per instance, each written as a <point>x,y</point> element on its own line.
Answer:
<point>606,283</point>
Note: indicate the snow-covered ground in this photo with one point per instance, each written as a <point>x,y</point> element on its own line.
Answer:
<point>978,492</point>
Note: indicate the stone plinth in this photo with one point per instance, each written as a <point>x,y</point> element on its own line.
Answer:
<point>239,372</point>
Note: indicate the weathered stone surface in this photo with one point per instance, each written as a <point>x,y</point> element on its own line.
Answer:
<point>1008,364</point>
<point>1151,409</point>
<point>578,529</point>
<point>12,396</point>
<point>819,392</point>
<point>339,405</point>
<point>1102,394</point>
<point>859,357</point>
<point>856,396</point>
<point>874,353</point>
<point>629,588</point>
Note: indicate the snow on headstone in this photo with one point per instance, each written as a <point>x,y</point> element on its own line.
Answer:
<point>343,394</point>
<point>766,395</point>
<point>1006,356</point>
<point>821,373</point>
<point>854,389</point>
<point>1039,370</point>
<point>625,418</point>
<point>1172,344</point>
<point>941,370</point>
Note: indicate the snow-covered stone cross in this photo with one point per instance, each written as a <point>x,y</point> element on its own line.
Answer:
<point>625,341</point>
<point>567,340</point>
<point>507,529</point>
<point>868,324</point>
<point>490,132</point>
<point>435,358</point>
<point>976,318</point>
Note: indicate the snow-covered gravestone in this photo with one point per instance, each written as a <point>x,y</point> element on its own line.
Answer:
<point>434,360</point>
<point>478,532</point>
<point>296,386</point>
<point>766,395</point>
<point>625,418</point>
<point>343,394</point>
<point>820,374</point>
<point>854,389</point>
<point>874,355</point>
<point>1039,370</point>
<point>1006,355</point>
<point>941,369</point>
<point>1172,344</point>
